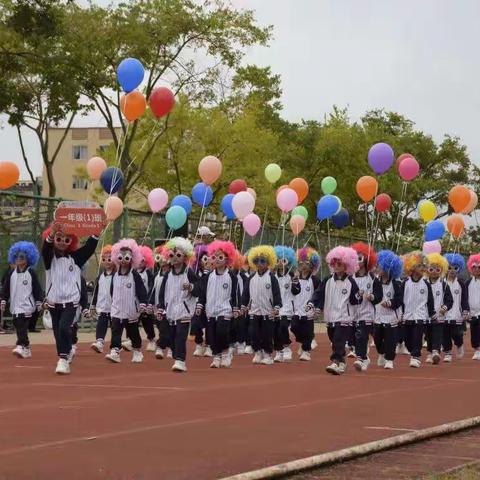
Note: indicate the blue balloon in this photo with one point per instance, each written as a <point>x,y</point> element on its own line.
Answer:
<point>184,202</point>
<point>130,74</point>
<point>327,206</point>
<point>202,194</point>
<point>434,230</point>
<point>111,180</point>
<point>226,206</point>
<point>341,219</point>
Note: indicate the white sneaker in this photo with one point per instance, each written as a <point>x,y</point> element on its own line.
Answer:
<point>159,353</point>
<point>342,367</point>
<point>18,351</point>
<point>216,362</point>
<point>226,361</point>
<point>358,364</point>
<point>381,360</point>
<point>447,358</point>
<point>199,351</point>
<point>403,350</point>
<point>241,349</point>
<point>257,358</point>
<point>333,368</point>
<point>73,352</point>
<point>179,366</point>
<point>460,351</point>
<point>351,352</point>
<point>249,350</point>
<point>388,365</point>
<point>287,354</point>
<point>127,345</point>
<point>429,358</point>
<point>97,346</point>
<point>476,355</point>
<point>113,356</point>
<point>208,352</point>
<point>267,359</point>
<point>278,357</point>
<point>305,357</point>
<point>231,350</point>
<point>63,368</point>
<point>415,362</point>
<point>435,357</point>
<point>314,344</point>
<point>151,346</point>
<point>27,352</point>
<point>169,353</point>
<point>137,356</point>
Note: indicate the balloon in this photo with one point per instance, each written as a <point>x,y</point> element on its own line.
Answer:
<point>434,230</point>
<point>341,219</point>
<point>9,175</point>
<point>226,205</point>
<point>432,247</point>
<point>383,202</point>
<point>408,169</point>
<point>184,202</point>
<point>242,204</point>
<point>202,194</point>
<point>113,208</point>
<point>328,185</point>
<point>130,74</point>
<point>339,204</point>
<point>237,186</point>
<point>279,189</point>
<point>95,167</point>
<point>327,207</point>
<point>161,101</point>
<point>459,198</point>
<point>252,192</point>
<point>427,210</point>
<point>133,105</point>
<point>472,204</point>
<point>300,210</point>
<point>380,157</point>
<point>300,186</point>
<point>367,188</point>
<point>111,180</point>
<point>455,225</point>
<point>273,172</point>
<point>157,199</point>
<point>400,159</point>
<point>297,224</point>
<point>287,199</point>
<point>176,217</point>
<point>251,224</point>
<point>209,169</point>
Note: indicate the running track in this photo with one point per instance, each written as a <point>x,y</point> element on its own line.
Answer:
<point>143,422</point>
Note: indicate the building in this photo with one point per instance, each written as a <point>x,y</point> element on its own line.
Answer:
<point>12,206</point>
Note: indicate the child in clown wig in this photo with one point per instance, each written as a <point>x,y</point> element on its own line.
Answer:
<point>302,320</point>
<point>177,298</point>
<point>129,299</point>
<point>443,301</point>
<point>473,290</point>
<point>289,288</point>
<point>335,296</point>
<point>22,290</point>
<point>218,298</point>
<point>387,311</point>
<point>262,299</point>
<point>418,304</point>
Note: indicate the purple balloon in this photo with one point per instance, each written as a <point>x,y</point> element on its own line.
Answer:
<point>380,157</point>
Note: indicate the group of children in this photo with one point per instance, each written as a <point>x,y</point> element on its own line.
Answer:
<point>236,304</point>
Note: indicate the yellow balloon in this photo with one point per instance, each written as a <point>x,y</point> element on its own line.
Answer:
<point>427,211</point>
<point>273,172</point>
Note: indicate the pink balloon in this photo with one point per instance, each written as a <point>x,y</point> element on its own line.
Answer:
<point>209,169</point>
<point>113,208</point>
<point>287,199</point>
<point>408,168</point>
<point>297,224</point>
<point>252,192</point>
<point>432,247</point>
<point>95,167</point>
<point>242,204</point>
<point>157,199</point>
<point>251,223</point>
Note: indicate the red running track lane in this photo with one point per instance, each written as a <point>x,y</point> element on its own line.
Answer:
<point>126,421</point>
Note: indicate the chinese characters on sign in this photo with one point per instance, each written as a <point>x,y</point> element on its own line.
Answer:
<point>80,218</point>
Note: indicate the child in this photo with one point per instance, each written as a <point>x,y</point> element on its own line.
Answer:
<point>418,304</point>
<point>240,322</point>
<point>146,273</point>
<point>334,296</point>
<point>387,314</point>
<point>218,297</point>
<point>129,299</point>
<point>262,299</point>
<point>102,298</point>
<point>473,289</point>
<point>82,310</point>
<point>177,298</point>
<point>22,290</point>
<point>302,321</point>
<point>454,318</point>
<point>443,301</point>
<point>289,288</point>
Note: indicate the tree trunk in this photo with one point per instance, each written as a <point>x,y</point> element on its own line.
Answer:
<point>52,191</point>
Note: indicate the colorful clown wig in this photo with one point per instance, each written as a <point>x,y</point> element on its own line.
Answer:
<point>413,260</point>
<point>127,244</point>
<point>473,260</point>
<point>348,256</point>
<point>200,251</point>
<point>228,248</point>
<point>390,263</point>
<point>160,254</point>
<point>307,254</point>
<point>73,245</point>
<point>29,249</point>
<point>456,261</point>
<point>439,260</point>
<point>262,251</point>
<point>181,244</point>
<point>368,253</point>
<point>147,255</point>
<point>286,253</point>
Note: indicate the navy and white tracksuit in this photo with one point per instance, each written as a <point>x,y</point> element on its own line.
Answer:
<point>146,319</point>
<point>302,321</point>
<point>442,298</point>
<point>102,301</point>
<point>289,289</point>
<point>473,290</point>
<point>453,321</point>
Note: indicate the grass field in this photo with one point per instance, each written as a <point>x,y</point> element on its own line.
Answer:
<point>468,473</point>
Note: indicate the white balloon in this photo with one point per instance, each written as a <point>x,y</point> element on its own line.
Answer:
<point>243,203</point>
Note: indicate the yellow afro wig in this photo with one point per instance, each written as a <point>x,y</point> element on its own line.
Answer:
<point>262,251</point>
<point>437,259</point>
<point>413,260</point>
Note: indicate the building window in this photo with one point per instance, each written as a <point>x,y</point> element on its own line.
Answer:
<point>79,183</point>
<point>79,152</point>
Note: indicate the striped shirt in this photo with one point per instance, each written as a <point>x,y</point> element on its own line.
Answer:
<point>157,285</point>
<point>128,293</point>
<point>102,299</point>
<point>262,294</point>
<point>474,296</point>
<point>220,295</point>
<point>417,300</point>
<point>365,311</point>
<point>63,282</point>
<point>22,299</point>
<point>287,289</point>
<point>179,304</point>
<point>454,315</point>
<point>391,292</point>
<point>307,287</point>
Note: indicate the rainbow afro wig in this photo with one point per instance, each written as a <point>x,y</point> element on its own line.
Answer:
<point>368,253</point>
<point>346,255</point>
<point>262,251</point>
<point>307,254</point>
<point>390,263</point>
<point>29,249</point>
<point>181,244</point>
<point>413,260</point>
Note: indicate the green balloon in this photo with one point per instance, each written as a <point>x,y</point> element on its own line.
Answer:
<point>300,210</point>
<point>273,172</point>
<point>329,185</point>
<point>176,217</point>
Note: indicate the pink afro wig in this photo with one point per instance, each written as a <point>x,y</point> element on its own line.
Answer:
<point>307,254</point>
<point>71,248</point>
<point>368,253</point>
<point>127,244</point>
<point>473,259</point>
<point>147,255</point>
<point>228,248</point>
<point>413,260</point>
<point>348,256</point>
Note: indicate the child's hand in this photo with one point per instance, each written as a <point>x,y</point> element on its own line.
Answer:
<point>187,286</point>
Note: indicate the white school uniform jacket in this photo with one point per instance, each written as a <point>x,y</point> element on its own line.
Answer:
<point>418,304</point>
<point>128,294</point>
<point>289,289</point>
<point>22,290</point>
<point>261,294</point>
<point>218,294</point>
<point>473,291</point>
<point>441,297</point>
<point>157,285</point>
<point>391,292</point>
<point>102,297</point>
<point>459,293</point>
<point>147,278</point>
<point>370,285</point>
<point>307,287</point>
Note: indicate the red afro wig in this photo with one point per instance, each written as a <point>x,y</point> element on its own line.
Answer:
<point>228,248</point>
<point>368,253</point>
<point>71,248</point>
<point>240,260</point>
<point>473,260</point>
<point>147,255</point>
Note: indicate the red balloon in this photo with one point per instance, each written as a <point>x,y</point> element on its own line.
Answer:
<point>383,202</point>
<point>161,101</point>
<point>237,185</point>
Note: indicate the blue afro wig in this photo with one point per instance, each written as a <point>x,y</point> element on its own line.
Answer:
<point>390,263</point>
<point>455,260</point>
<point>287,253</point>
<point>28,248</point>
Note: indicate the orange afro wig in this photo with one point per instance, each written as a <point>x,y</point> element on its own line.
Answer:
<point>368,253</point>
<point>107,249</point>
<point>413,260</point>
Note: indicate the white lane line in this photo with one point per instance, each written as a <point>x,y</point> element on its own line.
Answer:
<point>392,428</point>
<point>28,366</point>
<point>94,385</point>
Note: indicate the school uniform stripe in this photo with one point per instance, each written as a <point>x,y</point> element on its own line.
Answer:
<point>300,301</point>
<point>104,296</point>
<point>261,298</point>
<point>415,300</point>
<point>21,293</point>
<point>124,300</point>
<point>63,281</point>
<point>219,294</point>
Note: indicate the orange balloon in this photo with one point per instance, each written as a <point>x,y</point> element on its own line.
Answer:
<point>9,175</point>
<point>456,225</point>
<point>209,169</point>
<point>300,186</point>
<point>472,204</point>
<point>367,188</point>
<point>133,105</point>
<point>280,188</point>
<point>459,198</point>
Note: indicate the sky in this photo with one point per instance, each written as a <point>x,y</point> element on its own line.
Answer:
<point>416,57</point>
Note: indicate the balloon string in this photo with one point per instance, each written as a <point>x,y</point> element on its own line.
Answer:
<point>284,218</point>
<point>404,185</point>
<point>121,148</point>
<point>243,240</point>
<point>328,234</point>
<point>370,238</point>
<point>230,231</point>
<point>375,235</point>
<point>366,221</point>
<point>155,125</point>
<point>201,213</point>
<point>263,224</point>
<point>401,222</point>
<point>148,229</point>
